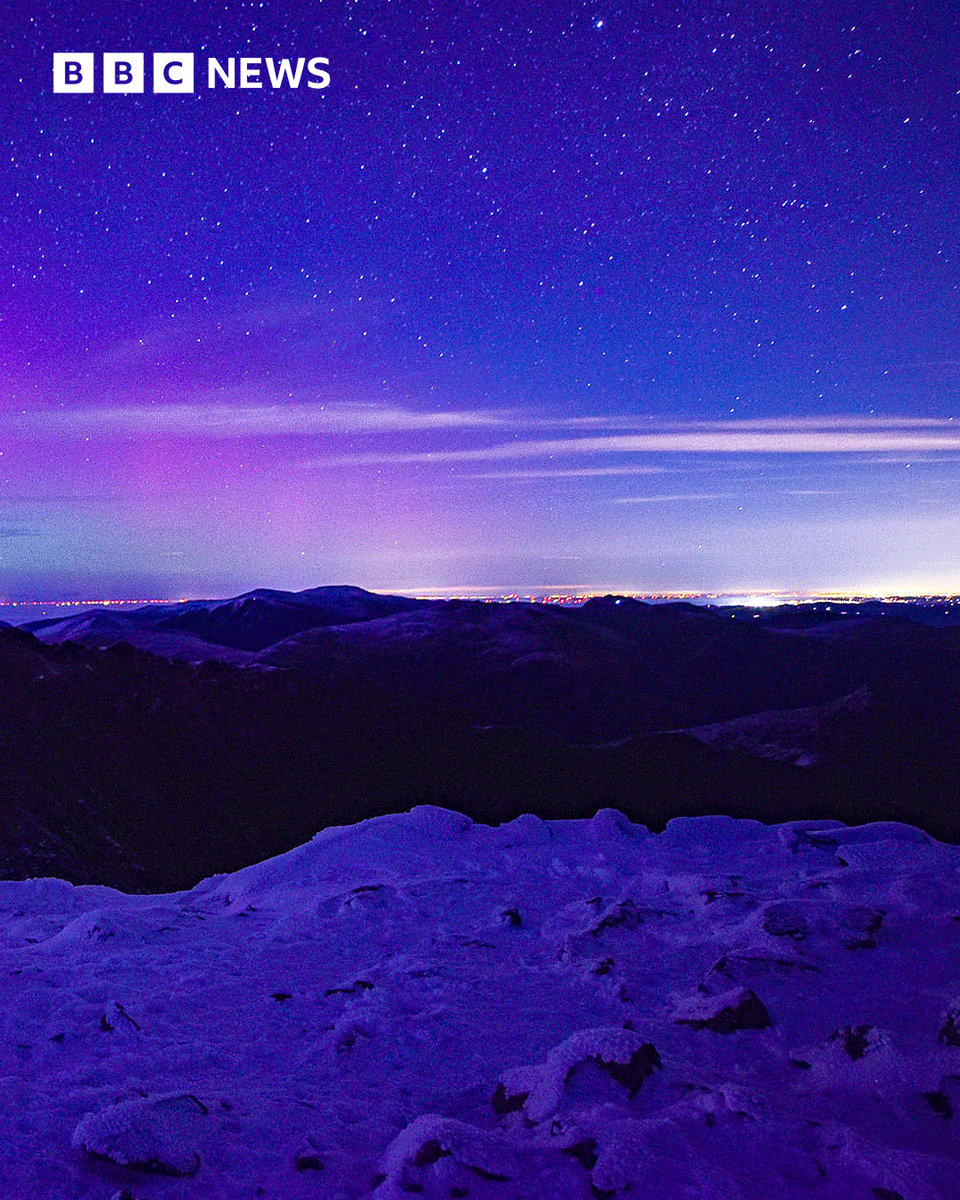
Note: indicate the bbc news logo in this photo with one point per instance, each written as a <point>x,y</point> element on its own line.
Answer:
<point>175,73</point>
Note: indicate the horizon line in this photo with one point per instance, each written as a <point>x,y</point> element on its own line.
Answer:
<point>542,594</point>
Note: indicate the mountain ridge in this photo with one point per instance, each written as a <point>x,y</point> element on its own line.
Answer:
<point>133,744</point>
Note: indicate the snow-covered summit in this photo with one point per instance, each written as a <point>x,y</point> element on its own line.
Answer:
<point>418,1004</point>
<point>111,629</point>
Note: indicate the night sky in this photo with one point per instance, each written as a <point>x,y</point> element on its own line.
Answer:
<point>531,298</point>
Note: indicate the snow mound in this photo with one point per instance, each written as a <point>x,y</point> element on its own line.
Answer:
<point>158,1134</point>
<point>354,1014</point>
<point>725,1012</point>
<point>387,848</point>
<point>526,830</point>
<point>416,1156</point>
<point>438,822</point>
<point>100,926</point>
<point>622,1054</point>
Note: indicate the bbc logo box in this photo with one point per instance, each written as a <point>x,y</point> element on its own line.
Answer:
<point>122,72</point>
<point>169,72</point>
<point>73,72</point>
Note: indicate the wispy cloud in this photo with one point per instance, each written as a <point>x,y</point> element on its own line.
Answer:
<point>197,420</point>
<point>792,436</point>
<point>670,499</point>
<point>569,472</point>
<point>837,421</point>
<point>947,368</point>
<point>519,435</point>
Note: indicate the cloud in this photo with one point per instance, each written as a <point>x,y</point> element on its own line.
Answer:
<point>199,420</point>
<point>838,421</point>
<point>569,472</point>
<point>68,498</point>
<point>522,435</point>
<point>669,499</point>
<point>946,368</point>
<point>791,436</point>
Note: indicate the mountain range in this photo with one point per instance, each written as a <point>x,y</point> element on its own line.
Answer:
<point>152,748</point>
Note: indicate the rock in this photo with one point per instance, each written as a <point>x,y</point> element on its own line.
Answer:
<point>504,1102</point>
<point>950,1031</point>
<point>738,1008</point>
<point>854,1038</point>
<point>786,920</point>
<point>631,1074</point>
<point>584,1152</point>
<point>308,1157</point>
<point>940,1104</point>
<point>862,923</point>
<point>539,1090</point>
<point>159,1134</point>
<point>624,915</point>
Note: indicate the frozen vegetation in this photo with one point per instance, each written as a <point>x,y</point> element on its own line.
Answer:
<point>419,1005</point>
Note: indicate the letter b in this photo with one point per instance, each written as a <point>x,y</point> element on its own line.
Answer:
<point>123,72</point>
<point>73,72</point>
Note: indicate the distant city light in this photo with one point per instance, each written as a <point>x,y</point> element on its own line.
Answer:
<point>756,600</point>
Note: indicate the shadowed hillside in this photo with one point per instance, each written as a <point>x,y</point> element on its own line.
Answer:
<point>146,754</point>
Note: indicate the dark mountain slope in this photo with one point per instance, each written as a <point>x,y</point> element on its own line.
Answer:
<point>123,767</point>
<point>536,666</point>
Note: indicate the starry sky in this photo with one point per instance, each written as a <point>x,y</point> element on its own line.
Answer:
<point>533,297</point>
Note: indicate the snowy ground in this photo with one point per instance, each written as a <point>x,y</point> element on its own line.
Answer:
<point>421,1006</point>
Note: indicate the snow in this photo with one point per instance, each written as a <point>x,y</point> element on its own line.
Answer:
<point>430,1138</point>
<point>542,1087</point>
<point>797,736</point>
<point>110,629</point>
<point>420,1005</point>
<point>732,1009</point>
<point>158,1134</point>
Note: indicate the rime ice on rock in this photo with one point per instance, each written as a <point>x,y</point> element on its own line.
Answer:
<point>622,1054</point>
<point>438,822</point>
<point>377,972</point>
<point>725,1012</point>
<point>159,1134</point>
<point>525,830</point>
<point>610,823</point>
<point>428,1140</point>
<point>950,1029</point>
